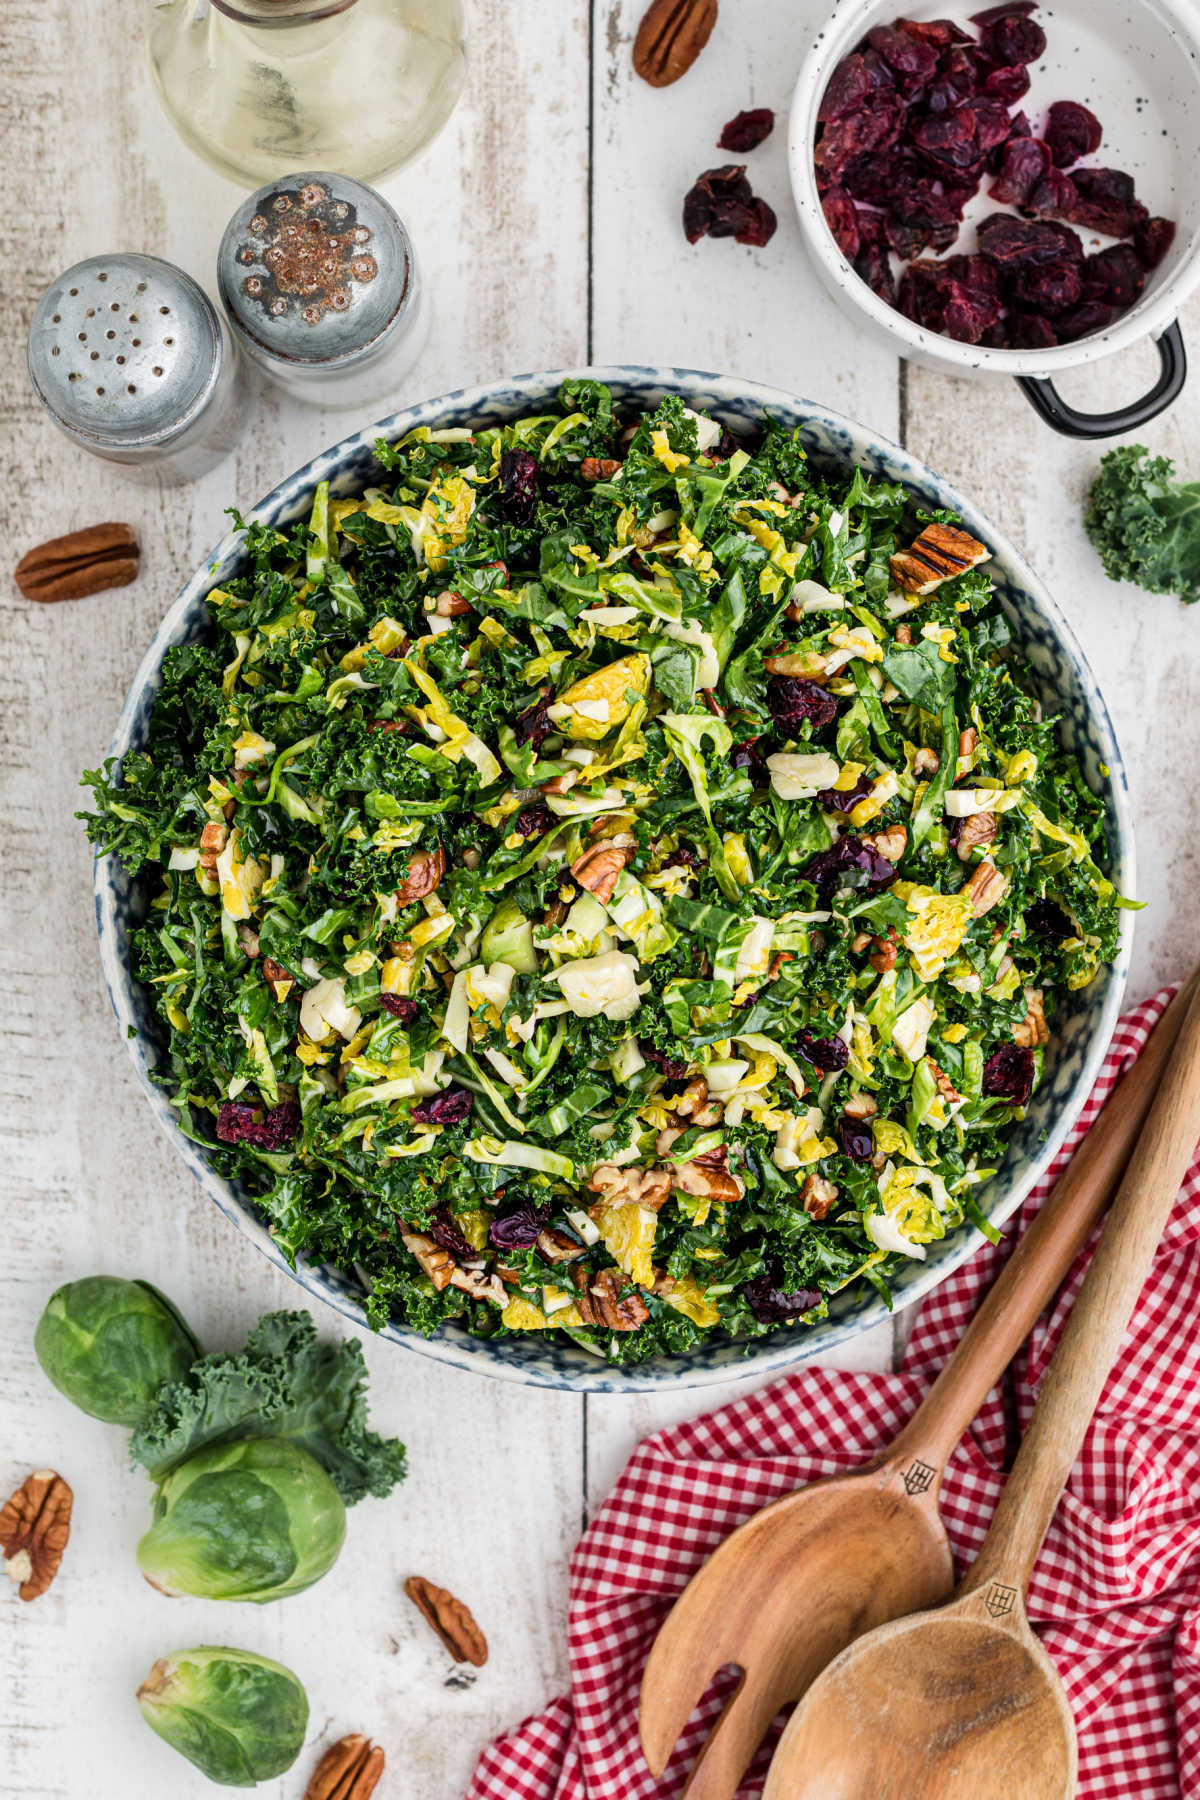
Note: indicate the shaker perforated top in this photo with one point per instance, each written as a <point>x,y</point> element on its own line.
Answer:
<point>125,351</point>
<point>315,270</point>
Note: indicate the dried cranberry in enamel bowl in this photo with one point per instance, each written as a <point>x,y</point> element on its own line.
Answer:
<point>873,199</point>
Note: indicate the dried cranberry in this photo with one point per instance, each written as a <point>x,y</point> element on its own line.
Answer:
<point>745,756</point>
<point>771,1306</point>
<point>1046,918</point>
<point>839,866</point>
<point>949,139</point>
<point>519,1229</point>
<point>449,1107</point>
<point>1013,38</point>
<point>874,178</point>
<point>1008,1074</point>
<point>844,800</point>
<point>1048,287</point>
<point>1152,238</point>
<point>262,1128</point>
<point>841,216</point>
<point>938,32</point>
<point>671,1066</point>
<point>519,471</point>
<point>824,1053</point>
<point>747,130</point>
<point>1071,132</point>
<point>873,264</point>
<point>1009,84</point>
<point>1011,242</point>
<point>848,86</point>
<point>710,195</point>
<point>912,62</point>
<point>959,297</point>
<point>1025,162</point>
<point>856,1140</point>
<point>534,725</point>
<point>442,1229</point>
<point>758,227</point>
<point>683,853</point>
<point>399,1007</point>
<point>1029,331</point>
<point>1104,200</point>
<point>874,124</point>
<point>1082,320</point>
<point>792,700</point>
<point>1116,276</point>
<point>1004,11</point>
<point>957,78</point>
<point>534,821</point>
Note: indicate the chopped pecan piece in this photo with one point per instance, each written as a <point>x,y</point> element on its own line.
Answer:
<point>479,1285</point>
<point>599,468</point>
<point>861,1106</point>
<point>810,665</point>
<point>84,562</point>
<point>248,939</point>
<point>695,1106</point>
<point>561,784</point>
<point>598,1301</point>
<point>904,634</point>
<point>968,744</point>
<point>628,1187</point>
<point>926,761</point>
<point>884,952</point>
<point>818,1196</point>
<point>597,869</point>
<point>556,1247</point>
<point>977,829</point>
<point>889,844</point>
<point>1033,1029</point>
<point>707,1177</point>
<point>453,1622</point>
<point>35,1524</point>
<point>213,840</point>
<point>987,887</point>
<point>452,605</point>
<point>437,1263</point>
<point>277,978</point>
<point>425,871</point>
<point>349,1770</point>
<point>859,942</point>
<point>943,1084</point>
<point>938,553</point>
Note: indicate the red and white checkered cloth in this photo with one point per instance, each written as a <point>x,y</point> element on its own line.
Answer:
<point>1116,1592</point>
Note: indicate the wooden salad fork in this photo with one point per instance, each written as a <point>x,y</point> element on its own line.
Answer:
<point>806,1576</point>
<point>962,1703</point>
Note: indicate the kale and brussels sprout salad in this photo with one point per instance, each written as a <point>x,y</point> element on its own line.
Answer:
<point>608,878</point>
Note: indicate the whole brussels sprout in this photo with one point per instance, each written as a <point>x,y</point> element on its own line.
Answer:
<point>254,1520</point>
<point>239,1717</point>
<point>109,1345</point>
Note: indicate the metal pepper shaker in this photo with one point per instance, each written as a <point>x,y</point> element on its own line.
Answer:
<point>319,282</point>
<point>130,359</point>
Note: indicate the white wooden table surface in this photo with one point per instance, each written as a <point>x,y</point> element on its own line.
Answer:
<point>547,216</point>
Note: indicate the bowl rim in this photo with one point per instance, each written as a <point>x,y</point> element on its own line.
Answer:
<point>1149,316</point>
<point>574,1370</point>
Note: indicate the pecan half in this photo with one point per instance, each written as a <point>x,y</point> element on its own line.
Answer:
<point>451,605</point>
<point>926,761</point>
<point>349,1770</point>
<point>82,563</point>
<point>938,553</point>
<point>556,1247</point>
<point>425,870</point>
<point>597,869</point>
<point>943,1084</point>
<point>437,1263</point>
<point>627,1187</point>
<point>884,951</point>
<point>977,829</point>
<point>1033,1029</point>
<point>671,37</point>
<point>860,1106</point>
<point>34,1527</point>
<point>889,844</point>
<point>598,1301</point>
<point>707,1177</point>
<point>987,887</point>
<point>599,468</point>
<point>453,1622</point>
<point>695,1106</point>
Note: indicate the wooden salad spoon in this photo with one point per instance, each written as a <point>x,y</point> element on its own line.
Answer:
<point>789,1589</point>
<point>963,1703</point>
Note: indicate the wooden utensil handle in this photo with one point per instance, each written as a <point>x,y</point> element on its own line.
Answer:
<point>1092,1336</point>
<point>1039,1262</point>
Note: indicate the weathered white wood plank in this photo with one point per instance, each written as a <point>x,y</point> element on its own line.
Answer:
<point>493,1502</point>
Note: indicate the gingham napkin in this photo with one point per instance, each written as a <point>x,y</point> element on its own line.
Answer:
<point>1115,1594</point>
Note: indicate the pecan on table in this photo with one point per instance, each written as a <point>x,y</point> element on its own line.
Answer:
<point>349,1770</point>
<point>452,1621</point>
<point>670,38</point>
<point>82,563</point>
<point>34,1527</point>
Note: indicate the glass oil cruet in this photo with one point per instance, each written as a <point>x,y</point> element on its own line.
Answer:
<point>263,87</point>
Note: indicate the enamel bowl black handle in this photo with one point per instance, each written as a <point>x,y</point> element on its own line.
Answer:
<point>1049,404</point>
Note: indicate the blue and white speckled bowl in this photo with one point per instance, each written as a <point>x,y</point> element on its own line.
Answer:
<point>1082,1029</point>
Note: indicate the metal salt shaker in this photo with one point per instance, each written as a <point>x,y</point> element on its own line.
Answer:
<point>130,359</point>
<point>319,281</point>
